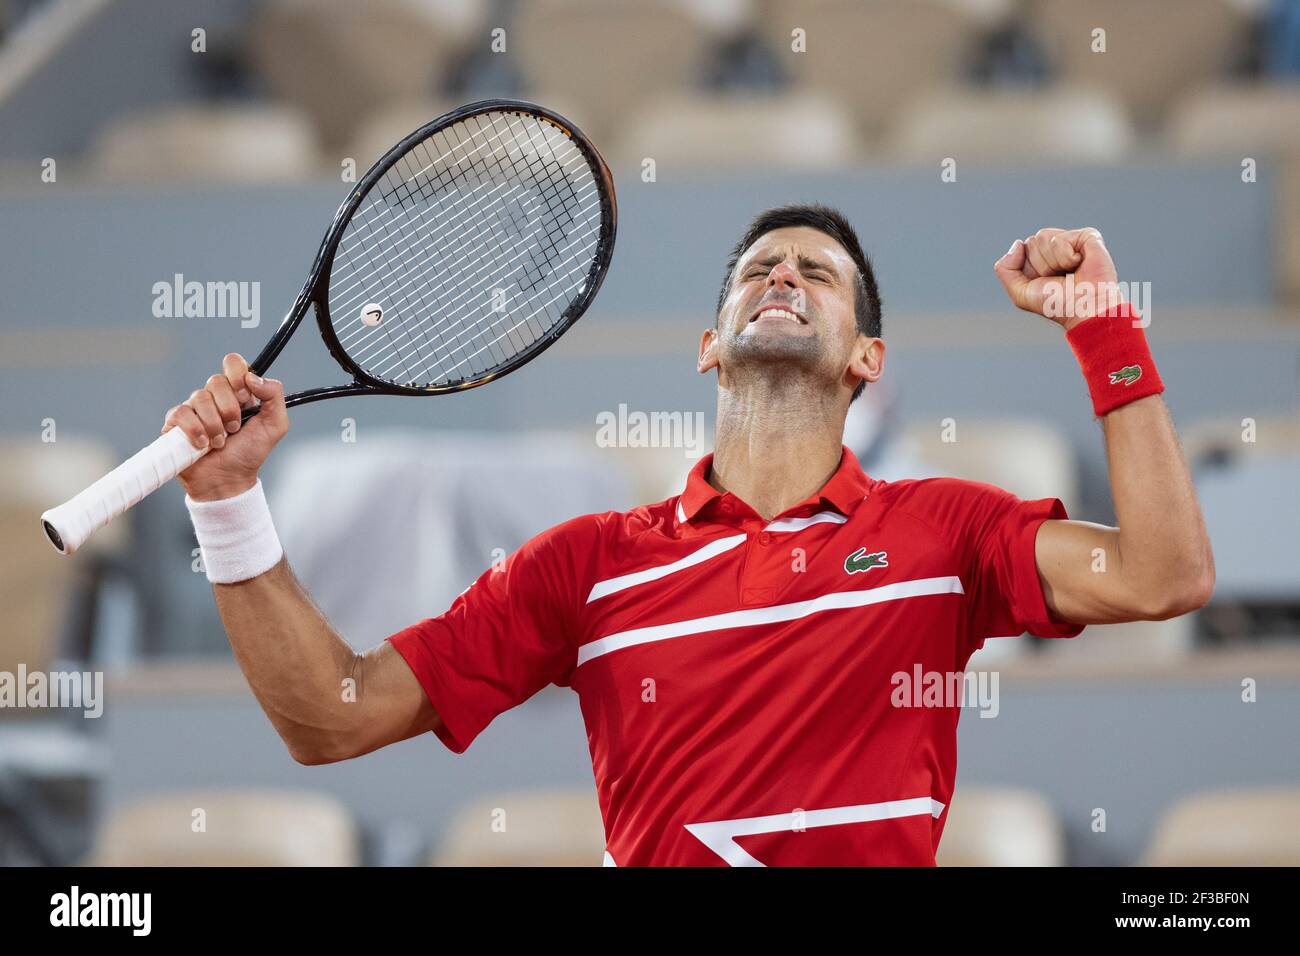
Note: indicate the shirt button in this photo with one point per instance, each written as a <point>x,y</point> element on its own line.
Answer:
<point>765,538</point>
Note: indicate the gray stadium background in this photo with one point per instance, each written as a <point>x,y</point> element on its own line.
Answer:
<point>78,344</point>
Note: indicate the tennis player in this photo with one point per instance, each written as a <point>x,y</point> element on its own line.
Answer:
<point>738,649</point>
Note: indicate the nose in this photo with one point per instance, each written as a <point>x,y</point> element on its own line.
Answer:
<point>783,275</point>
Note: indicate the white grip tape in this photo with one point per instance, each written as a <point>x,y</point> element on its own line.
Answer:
<point>130,482</point>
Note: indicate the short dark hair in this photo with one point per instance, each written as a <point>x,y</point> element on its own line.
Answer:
<point>866,296</point>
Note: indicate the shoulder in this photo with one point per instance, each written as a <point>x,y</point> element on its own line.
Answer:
<point>591,533</point>
<point>925,492</point>
<point>952,508</point>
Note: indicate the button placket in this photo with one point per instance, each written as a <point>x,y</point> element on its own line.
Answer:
<point>751,592</point>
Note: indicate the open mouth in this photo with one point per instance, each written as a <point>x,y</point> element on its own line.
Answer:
<point>778,312</point>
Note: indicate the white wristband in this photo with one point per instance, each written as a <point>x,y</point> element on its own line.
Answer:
<point>236,536</point>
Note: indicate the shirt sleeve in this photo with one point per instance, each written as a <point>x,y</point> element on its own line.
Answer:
<point>503,639</point>
<point>993,533</point>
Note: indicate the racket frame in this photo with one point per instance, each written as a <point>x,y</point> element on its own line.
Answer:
<point>315,292</point>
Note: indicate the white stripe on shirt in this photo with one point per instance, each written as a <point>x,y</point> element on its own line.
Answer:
<point>768,615</point>
<point>699,556</point>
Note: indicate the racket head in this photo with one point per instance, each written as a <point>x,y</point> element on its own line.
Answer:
<point>482,237</point>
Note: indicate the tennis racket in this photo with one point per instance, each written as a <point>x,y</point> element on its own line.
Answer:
<point>461,255</point>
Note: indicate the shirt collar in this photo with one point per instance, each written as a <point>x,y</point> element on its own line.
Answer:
<point>844,491</point>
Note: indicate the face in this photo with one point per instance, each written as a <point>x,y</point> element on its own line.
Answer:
<point>790,308</point>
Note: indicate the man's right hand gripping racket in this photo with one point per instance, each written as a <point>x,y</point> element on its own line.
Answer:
<point>462,254</point>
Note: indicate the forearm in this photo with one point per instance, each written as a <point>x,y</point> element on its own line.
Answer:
<point>302,672</point>
<point>1162,549</point>
<point>326,701</point>
<point>1157,564</point>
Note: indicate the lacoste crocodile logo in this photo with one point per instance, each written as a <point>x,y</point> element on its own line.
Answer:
<point>1127,375</point>
<point>859,560</point>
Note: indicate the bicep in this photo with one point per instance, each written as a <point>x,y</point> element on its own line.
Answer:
<point>1081,573</point>
<point>394,706</point>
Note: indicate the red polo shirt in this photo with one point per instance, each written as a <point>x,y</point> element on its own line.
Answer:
<point>742,680</point>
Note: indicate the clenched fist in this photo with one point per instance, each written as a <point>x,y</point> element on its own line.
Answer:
<point>1066,275</point>
<point>211,418</point>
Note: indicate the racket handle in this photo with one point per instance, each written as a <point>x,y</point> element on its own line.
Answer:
<point>71,523</point>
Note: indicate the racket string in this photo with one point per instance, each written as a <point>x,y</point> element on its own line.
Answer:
<point>518,325</point>
<point>511,329</point>
<point>361,280</point>
<point>380,219</point>
<point>471,215</point>
<point>465,300</point>
<point>347,253</point>
<point>355,299</point>
<point>450,319</point>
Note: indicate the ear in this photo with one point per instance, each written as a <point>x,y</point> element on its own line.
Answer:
<point>708,359</point>
<point>866,362</point>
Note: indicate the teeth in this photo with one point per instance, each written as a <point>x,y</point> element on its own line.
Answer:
<point>778,314</point>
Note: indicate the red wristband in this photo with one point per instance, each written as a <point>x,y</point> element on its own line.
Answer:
<point>1115,359</point>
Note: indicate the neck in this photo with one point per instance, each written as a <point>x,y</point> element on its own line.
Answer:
<point>775,445</point>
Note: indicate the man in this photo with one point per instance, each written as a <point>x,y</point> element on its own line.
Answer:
<point>736,649</point>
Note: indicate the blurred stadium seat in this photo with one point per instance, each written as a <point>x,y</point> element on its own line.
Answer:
<point>1287,236</point>
<point>50,764</point>
<point>1250,514</point>
<point>1222,441</point>
<point>1155,49</point>
<point>243,828</point>
<point>337,60</point>
<point>1109,646</point>
<point>880,55</point>
<point>1240,827</point>
<point>638,49</point>
<point>1027,458</point>
<point>37,586</point>
<point>988,13</point>
<point>1264,120</point>
<point>235,143</point>
<point>700,132</point>
<point>1013,127</point>
<point>993,826</point>
<point>526,828</point>
<point>721,17</point>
